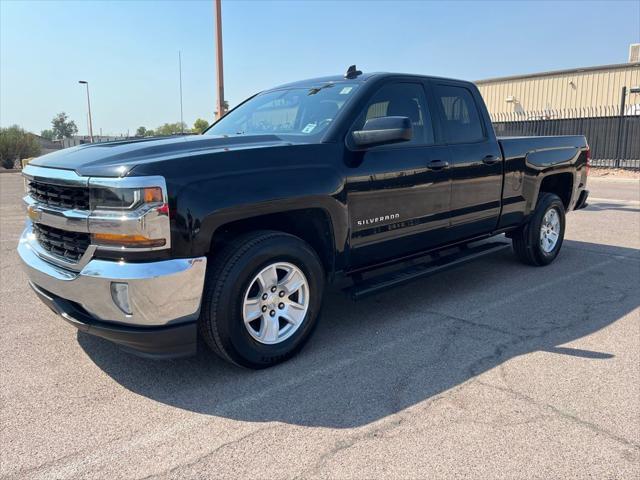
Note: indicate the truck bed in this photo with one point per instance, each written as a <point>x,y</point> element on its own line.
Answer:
<point>543,151</point>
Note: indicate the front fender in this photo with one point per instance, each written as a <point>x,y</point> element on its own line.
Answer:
<point>207,204</point>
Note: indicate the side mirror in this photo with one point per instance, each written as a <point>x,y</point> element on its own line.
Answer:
<point>383,131</point>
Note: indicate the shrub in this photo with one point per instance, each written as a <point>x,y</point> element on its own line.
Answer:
<point>16,144</point>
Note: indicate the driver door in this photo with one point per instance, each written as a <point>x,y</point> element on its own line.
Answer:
<point>398,195</point>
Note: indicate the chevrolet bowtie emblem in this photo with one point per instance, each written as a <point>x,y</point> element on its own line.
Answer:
<point>33,213</point>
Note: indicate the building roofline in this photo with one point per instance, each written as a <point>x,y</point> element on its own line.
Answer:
<point>615,66</point>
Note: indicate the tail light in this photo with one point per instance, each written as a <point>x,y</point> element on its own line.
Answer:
<point>588,152</point>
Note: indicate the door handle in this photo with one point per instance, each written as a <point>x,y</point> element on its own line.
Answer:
<point>437,165</point>
<point>491,159</point>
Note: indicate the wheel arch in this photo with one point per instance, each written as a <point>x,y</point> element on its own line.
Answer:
<point>560,184</point>
<point>312,225</point>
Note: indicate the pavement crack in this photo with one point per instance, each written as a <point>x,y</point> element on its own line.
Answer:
<point>565,415</point>
<point>206,454</point>
<point>483,326</point>
<point>345,444</point>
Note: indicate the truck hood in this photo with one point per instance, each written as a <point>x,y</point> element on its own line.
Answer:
<point>117,159</point>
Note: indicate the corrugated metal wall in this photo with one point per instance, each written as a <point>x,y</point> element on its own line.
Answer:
<point>566,90</point>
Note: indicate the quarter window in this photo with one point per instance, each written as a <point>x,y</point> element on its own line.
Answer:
<point>461,117</point>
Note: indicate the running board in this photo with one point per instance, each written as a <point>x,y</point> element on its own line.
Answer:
<point>384,281</point>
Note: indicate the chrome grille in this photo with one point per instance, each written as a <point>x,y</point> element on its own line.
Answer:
<point>69,245</point>
<point>76,198</point>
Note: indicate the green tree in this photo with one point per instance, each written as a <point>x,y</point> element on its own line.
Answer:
<point>149,133</point>
<point>200,125</point>
<point>171,129</point>
<point>63,127</point>
<point>48,134</point>
<point>16,144</point>
<point>141,132</point>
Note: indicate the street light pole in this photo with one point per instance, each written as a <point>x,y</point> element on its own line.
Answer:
<point>85,83</point>
<point>219,71</point>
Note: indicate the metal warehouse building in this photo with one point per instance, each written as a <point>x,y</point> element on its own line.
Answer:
<point>602,103</point>
<point>577,92</point>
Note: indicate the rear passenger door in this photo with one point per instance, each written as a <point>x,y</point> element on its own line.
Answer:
<point>475,159</point>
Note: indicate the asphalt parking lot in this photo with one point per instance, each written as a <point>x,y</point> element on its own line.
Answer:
<point>491,370</point>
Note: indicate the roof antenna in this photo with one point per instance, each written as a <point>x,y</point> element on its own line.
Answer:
<point>352,72</point>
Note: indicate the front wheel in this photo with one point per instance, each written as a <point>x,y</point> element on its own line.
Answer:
<point>539,241</point>
<point>261,300</point>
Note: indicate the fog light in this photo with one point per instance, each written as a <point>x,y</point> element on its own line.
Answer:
<point>120,296</point>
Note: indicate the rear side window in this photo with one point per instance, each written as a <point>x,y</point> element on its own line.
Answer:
<point>404,100</point>
<point>461,117</point>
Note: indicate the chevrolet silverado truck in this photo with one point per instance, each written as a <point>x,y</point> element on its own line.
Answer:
<point>368,180</point>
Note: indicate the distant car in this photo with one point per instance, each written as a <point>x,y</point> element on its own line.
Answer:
<point>232,235</point>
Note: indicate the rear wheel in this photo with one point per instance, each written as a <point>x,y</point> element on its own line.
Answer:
<point>261,299</point>
<point>539,241</point>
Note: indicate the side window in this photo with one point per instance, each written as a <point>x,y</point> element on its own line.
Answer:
<point>402,100</point>
<point>461,118</point>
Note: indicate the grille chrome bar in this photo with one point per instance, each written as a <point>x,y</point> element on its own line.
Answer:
<point>68,245</point>
<point>55,176</point>
<point>58,208</point>
<point>70,198</point>
<point>53,258</point>
<point>72,220</point>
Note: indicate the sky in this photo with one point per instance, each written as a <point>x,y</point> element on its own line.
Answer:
<point>128,50</point>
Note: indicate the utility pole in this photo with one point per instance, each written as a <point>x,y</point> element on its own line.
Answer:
<point>219,72</point>
<point>180,73</point>
<point>84,82</point>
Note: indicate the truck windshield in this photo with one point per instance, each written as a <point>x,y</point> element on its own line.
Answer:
<point>303,113</point>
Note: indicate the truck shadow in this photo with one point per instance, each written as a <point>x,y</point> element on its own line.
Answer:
<point>371,359</point>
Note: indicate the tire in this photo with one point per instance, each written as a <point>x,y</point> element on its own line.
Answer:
<point>527,240</point>
<point>231,284</point>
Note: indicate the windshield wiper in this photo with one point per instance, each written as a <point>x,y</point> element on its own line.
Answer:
<point>314,90</point>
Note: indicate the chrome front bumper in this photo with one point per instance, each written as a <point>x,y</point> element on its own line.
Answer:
<point>159,293</point>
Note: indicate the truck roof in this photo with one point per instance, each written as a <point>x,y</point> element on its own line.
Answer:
<point>314,82</point>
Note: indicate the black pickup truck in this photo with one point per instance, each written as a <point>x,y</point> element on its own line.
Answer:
<point>231,236</point>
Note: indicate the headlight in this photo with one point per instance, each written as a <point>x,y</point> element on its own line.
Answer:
<point>105,198</point>
<point>129,213</point>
